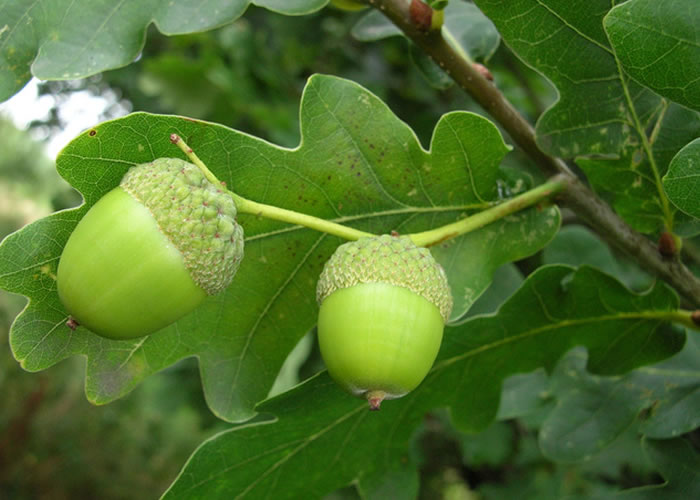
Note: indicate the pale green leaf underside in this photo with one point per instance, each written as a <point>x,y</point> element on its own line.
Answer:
<point>320,428</point>
<point>682,181</point>
<point>658,44</point>
<point>68,39</point>
<point>357,164</point>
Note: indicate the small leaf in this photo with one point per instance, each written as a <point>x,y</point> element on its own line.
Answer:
<point>658,44</point>
<point>682,181</point>
<point>320,428</point>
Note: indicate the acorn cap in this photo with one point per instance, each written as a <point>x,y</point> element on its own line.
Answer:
<point>395,260</point>
<point>197,217</point>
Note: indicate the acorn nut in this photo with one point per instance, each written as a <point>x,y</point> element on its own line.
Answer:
<point>150,251</point>
<point>383,306</point>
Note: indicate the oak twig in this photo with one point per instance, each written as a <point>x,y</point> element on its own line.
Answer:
<point>579,197</point>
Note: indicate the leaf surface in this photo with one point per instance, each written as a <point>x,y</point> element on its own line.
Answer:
<point>320,428</point>
<point>658,44</point>
<point>357,164</point>
<point>682,181</point>
<point>592,411</point>
<point>601,114</point>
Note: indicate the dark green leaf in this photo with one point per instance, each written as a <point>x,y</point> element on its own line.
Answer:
<point>658,44</point>
<point>319,428</point>
<point>357,164</point>
<point>592,411</point>
<point>601,114</point>
<point>679,464</point>
<point>576,246</point>
<point>569,46</point>
<point>636,192</point>
<point>682,181</point>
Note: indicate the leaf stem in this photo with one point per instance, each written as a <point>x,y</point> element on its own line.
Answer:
<point>246,206</point>
<point>646,145</point>
<point>434,236</point>
<point>189,152</point>
<point>680,316</point>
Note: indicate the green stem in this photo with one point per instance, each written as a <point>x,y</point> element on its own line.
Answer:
<point>646,145</point>
<point>189,152</point>
<point>434,236</point>
<point>426,238</point>
<point>245,206</point>
<point>680,316</point>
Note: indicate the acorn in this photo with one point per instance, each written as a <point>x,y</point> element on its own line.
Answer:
<point>150,251</point>
<point>383,303</point>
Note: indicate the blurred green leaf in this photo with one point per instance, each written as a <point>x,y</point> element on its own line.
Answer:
<point>357,164</point>
<point>465,27</point>
<point>679,464</point>
<point>70,39</point>
<point>592,411</point>
<point>658,44</point>
<point>682,181</point>
<point>576,246</point>
<point>320,428</point>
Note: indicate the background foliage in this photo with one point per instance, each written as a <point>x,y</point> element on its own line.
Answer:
<point>490,421</point>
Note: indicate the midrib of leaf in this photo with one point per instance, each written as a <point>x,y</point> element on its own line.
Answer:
<point>622,316</point>
<point>88,43</point>
<point>640,315</point>
<point>304,443</point>
<point>30,7</point>
<point>665,207</point>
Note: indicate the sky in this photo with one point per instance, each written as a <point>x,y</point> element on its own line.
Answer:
<point>81,110</point>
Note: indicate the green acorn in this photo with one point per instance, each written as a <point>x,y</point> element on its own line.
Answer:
<point>150,251</point>
<point>383,306</point>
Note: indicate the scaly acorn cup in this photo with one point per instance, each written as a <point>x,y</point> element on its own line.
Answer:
<point>383,306</point>
<point>150,251</point>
